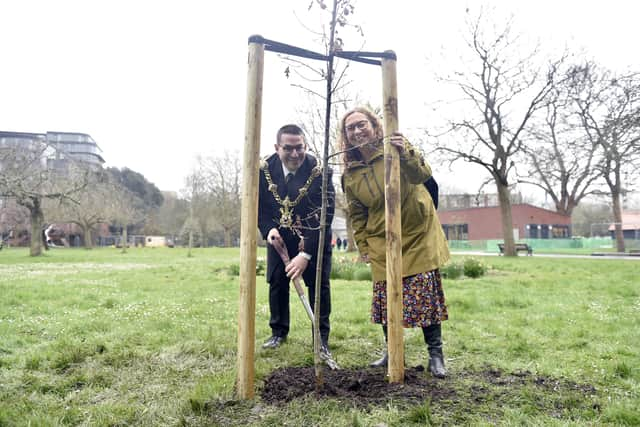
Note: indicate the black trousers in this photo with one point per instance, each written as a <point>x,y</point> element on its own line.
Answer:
<point>279,289</point>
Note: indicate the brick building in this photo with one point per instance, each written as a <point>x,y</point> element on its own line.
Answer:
<point>484,223</point>
<point>630,225</point>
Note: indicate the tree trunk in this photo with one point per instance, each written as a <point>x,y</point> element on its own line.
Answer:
<point>227,237</point>
<point>37,219</point>
<point>190,242</point>
<point>507,220</point>
<point>124,239</point>
<point>566,208</point>
<point>617,219</point>
<point>88,239</point>
<point>351,245</point>
<point>203,237</point>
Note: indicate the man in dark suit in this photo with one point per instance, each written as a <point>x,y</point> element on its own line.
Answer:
<point>289,211</point>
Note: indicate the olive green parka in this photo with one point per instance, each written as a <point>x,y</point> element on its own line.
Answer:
<point>424,245</point>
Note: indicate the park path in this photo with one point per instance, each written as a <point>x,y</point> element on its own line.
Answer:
<point>543,255</point>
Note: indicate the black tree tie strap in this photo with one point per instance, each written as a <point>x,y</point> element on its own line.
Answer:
<point>364,57</point>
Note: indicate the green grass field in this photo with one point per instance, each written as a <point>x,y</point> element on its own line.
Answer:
<point>149,338</point>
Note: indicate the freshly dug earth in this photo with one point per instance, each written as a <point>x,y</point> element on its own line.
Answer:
<point>369,387</point>
<point>361,387</point>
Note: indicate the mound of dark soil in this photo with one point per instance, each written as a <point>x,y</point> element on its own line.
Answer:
<point>368,386</point>
<point>362,387</point>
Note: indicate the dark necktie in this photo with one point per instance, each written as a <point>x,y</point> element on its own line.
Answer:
<point>287,180</point>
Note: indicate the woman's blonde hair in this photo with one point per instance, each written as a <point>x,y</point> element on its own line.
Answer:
<point>349,155</point>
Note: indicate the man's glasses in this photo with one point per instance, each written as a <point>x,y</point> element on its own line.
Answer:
<point>291,148</point>
<point>361,125</point>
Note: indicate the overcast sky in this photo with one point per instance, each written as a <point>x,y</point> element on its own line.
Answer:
<point>156,82</point>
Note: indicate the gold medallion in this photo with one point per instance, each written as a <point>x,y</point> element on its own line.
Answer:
<point>287,206</point>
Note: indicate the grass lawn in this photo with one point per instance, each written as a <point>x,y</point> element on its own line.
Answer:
<point>149,338</point>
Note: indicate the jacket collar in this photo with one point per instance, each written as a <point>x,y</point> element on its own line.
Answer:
<point>355,164</point>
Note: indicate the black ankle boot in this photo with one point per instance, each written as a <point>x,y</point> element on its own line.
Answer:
<point>436,362</point>
<point>384,360</point>
<point>433,339</point>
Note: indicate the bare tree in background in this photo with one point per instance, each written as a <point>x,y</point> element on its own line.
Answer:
<point>499,94</point>
<point>561,158</point>
<point>609,108</point>
<point>201,206</point>
<point>124,209</point>
<point>145,191</point>
<point>14,220</point>
<point>591,218</point>
<point>26,178</point>
<point>172,214</point>
<point>196,196</point>
<point>88,210</point>
<point>222,176</point>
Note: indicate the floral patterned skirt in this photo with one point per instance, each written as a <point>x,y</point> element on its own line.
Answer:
<point>423,300</point>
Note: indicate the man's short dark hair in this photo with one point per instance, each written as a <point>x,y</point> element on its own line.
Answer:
<point>289,130</point>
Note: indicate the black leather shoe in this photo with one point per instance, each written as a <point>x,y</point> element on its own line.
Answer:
<point>324,352</point>
<point>274,342</point>
<point>327,357</point>
<point>436,363</point>
<point>382,362</point>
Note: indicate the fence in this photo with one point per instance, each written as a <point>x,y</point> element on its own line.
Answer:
<point>576,244</point>
<point>116,240</point>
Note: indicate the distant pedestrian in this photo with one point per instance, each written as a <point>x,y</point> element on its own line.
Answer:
<point>339,243</point>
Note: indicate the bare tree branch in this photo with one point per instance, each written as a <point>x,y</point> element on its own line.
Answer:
<point>500,94</point>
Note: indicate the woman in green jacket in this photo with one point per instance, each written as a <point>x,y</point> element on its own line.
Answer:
<point>424,246</point>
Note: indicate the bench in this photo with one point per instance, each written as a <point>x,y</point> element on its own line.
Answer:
<point>520,247</point>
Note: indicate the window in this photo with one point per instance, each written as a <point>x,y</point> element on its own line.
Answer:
<point>456,231</point>
<point>560,231</point>
<point>533,231</point>
<point>547,231</point>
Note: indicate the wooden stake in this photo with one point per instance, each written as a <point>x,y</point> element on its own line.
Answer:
<point>393,222</point>
<point>249,221</point>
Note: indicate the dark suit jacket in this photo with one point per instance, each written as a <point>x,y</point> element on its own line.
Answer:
<point>308,210</point>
